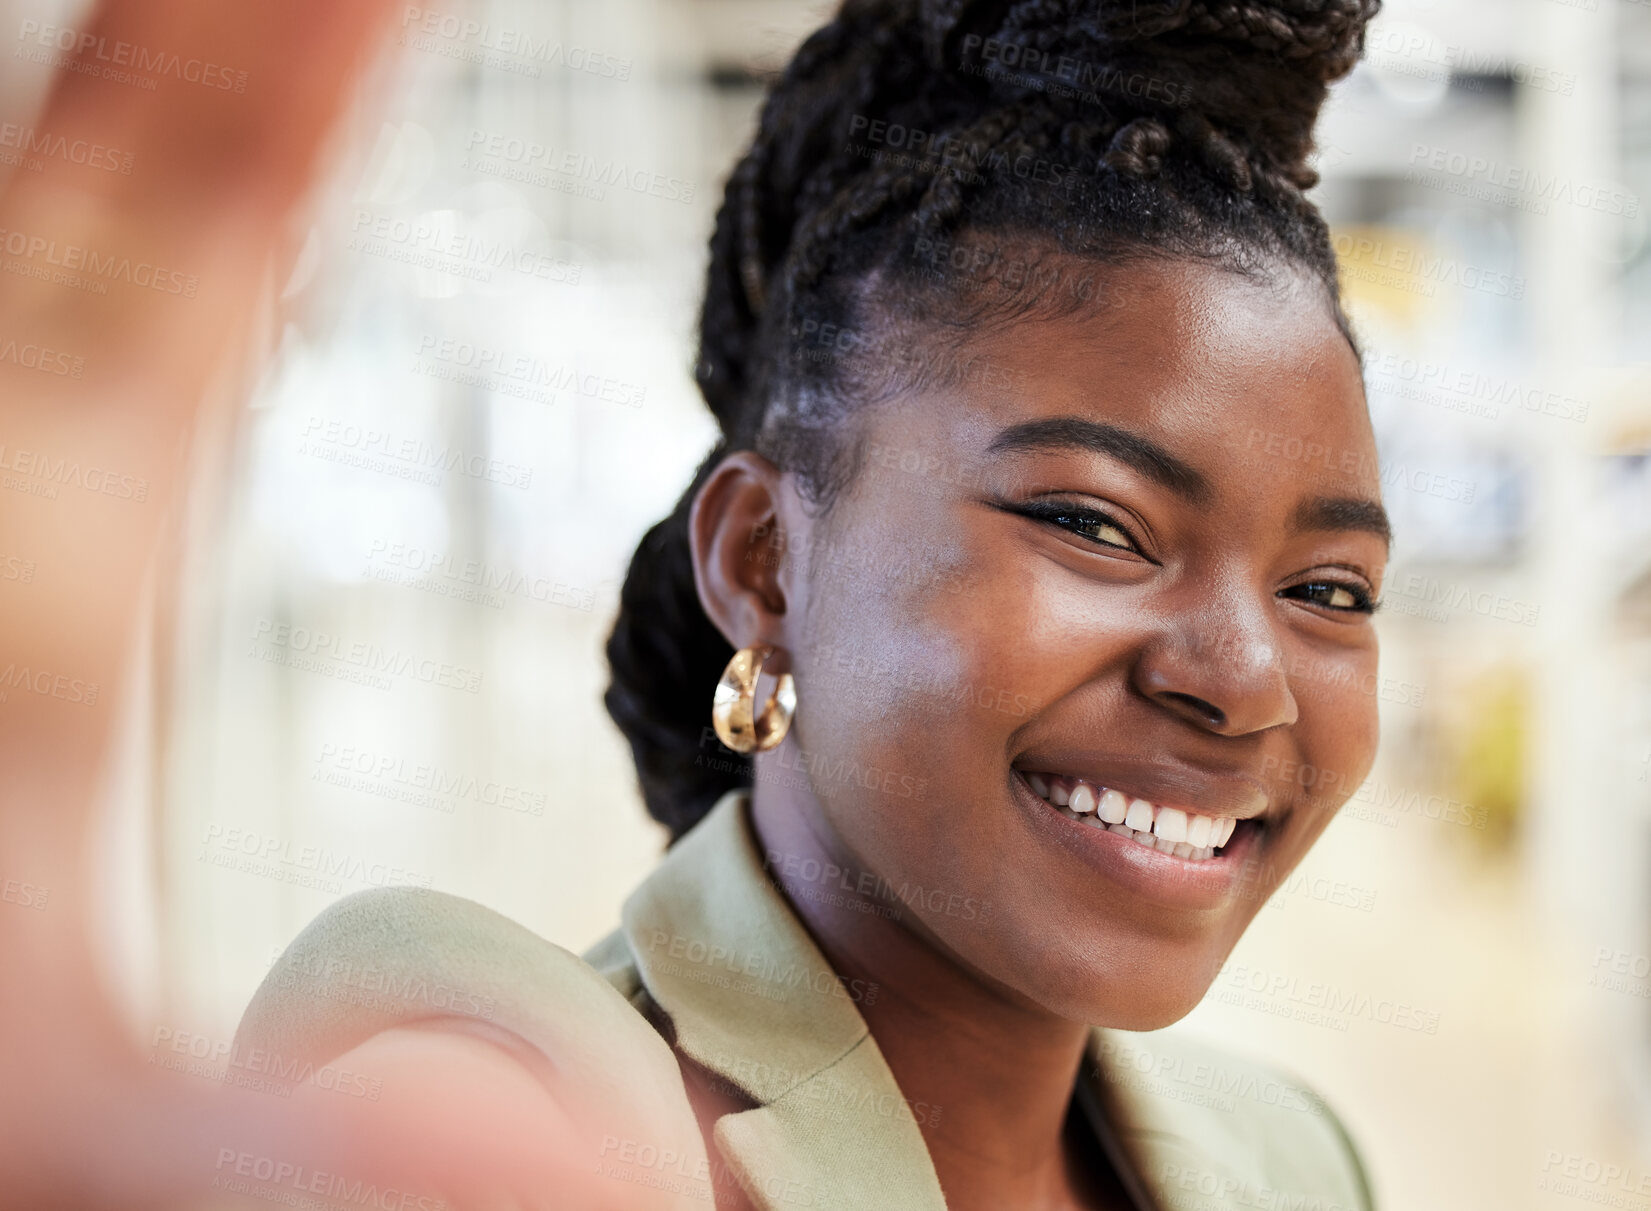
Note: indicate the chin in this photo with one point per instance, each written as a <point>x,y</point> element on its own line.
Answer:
<point>1134,983</point>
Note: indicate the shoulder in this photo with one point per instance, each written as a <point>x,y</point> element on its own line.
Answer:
<point>1206,1122</point>
<point>392,958</point>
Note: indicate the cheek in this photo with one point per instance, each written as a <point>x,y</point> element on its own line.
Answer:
<point>1336,734</point>
<point>911,672</point>
<point>892,663</point>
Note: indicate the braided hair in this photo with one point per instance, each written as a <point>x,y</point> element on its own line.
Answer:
<point>907,148</point>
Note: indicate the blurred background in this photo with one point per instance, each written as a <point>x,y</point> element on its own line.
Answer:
<point>396,590</point>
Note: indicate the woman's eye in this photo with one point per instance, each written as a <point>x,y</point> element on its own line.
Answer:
<point>1095,526</point>
<point>1334,596</point>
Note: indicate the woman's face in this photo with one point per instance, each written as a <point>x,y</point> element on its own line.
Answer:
<point>1127,548</point>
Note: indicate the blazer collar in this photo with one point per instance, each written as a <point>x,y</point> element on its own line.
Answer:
<point>753,1002</point>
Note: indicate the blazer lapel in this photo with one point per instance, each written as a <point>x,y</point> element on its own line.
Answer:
<point>752,1001</point>
<point>811,1147</point>
<point>1203,1129</point>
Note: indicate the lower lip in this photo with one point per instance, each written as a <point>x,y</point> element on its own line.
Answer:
<point>1151,874</point>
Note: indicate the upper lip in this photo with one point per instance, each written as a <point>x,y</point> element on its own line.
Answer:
<point>1164,782</point>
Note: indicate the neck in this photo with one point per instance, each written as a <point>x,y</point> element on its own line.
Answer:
<point>987,1074</point>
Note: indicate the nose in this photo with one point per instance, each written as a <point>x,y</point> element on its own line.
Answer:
<point>1222,673</point>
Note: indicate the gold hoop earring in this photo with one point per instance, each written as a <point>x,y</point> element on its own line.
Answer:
<point>733,711</point>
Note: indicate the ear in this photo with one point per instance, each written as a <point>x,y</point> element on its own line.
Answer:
<point>738,546</point>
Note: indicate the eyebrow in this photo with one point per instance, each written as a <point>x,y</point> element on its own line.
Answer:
<point>1343,513</point>
<point>1185,480</point>
<point>1131,449</point>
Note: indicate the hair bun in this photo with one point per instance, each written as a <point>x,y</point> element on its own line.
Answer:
<point>1329,33</point>
<point>1256,70</point>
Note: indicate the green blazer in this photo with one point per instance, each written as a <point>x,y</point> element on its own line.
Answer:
<point>711,967</point>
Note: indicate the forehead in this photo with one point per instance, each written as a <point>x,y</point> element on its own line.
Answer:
<point>1248,380</point>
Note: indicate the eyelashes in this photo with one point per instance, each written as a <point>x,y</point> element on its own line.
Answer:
<point>1321,593</point>
<point>1084,522</point>
<point>1104,530</point>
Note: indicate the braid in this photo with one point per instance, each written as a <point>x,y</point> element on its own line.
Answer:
<point>661,642</point>
<point>1102,130</point>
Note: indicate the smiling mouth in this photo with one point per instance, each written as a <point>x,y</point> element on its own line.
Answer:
<point>1194,836</point>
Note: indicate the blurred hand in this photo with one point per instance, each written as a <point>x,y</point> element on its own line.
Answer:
<point>129,309</point>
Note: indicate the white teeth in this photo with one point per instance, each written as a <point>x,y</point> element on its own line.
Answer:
<point>1171,825</point>
<point>1170,830</point>
<point>1198,831</point>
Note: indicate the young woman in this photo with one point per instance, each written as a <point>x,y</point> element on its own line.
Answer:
<point>1047,498</point>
